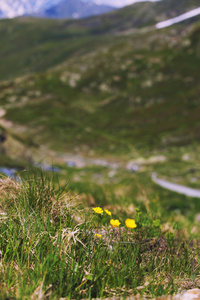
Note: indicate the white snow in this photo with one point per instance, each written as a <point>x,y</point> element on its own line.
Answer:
<point>185,16</point>
<point>14,8</point>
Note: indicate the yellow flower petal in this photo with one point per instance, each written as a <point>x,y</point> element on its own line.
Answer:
<point>98,210</point>
<point>98,235</point>
<point>107,212</point>
<point>130,223</point>
<point>114,223</point>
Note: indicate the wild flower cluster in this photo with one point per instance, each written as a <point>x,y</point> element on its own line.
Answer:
<point>130,223</point>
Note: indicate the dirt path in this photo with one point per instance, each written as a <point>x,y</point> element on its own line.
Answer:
<point>181,189</point>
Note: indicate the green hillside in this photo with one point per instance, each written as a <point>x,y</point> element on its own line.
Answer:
<point>119,94</point>
<point>135,91</point>
<point>33,45</point>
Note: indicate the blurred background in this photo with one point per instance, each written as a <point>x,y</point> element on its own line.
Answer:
<point>104,93</point>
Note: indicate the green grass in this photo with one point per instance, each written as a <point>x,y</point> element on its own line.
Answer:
<point>120,188</point>
<point>33,45</point>
<point>48,247</point>
<point>6,161</point>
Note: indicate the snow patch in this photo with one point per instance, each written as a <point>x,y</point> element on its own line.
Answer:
<point>185,16</point>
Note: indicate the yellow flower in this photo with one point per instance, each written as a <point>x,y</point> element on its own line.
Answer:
<point>130,223</point>
<point>98,210</point>
<point>114,223</point>
<point>98,235</point>
<point>107,212</point>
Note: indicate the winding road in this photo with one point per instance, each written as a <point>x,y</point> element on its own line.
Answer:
<point>181,189</point>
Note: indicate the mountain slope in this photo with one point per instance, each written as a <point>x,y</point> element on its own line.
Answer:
<point>51,8</point>
<point>139,92</point>
<point>81,8</point>
<point>138,15</point>
<point>31,45</point>
<point>109,93</point>
<point>13,8</point>
<point>74,9</point>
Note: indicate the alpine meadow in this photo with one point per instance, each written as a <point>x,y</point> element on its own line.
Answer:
<point>99,155</point>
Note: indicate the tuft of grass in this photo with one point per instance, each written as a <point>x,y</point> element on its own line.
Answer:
<point>50,248</point>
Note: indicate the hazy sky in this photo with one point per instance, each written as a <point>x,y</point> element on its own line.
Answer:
<point>120,3</point>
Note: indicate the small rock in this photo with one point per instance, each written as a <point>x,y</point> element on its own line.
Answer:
<point>186,157</point>
<point>111,174</point>
<point>197,218</point>
<point>188,295</point>
<point>2,112</point>
<point>157,159</point>
<point>193,179</point>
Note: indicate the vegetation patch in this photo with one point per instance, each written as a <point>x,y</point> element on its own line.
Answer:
<point>53,248</point>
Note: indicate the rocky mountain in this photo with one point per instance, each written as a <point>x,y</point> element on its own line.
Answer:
<point>84,8</point>
<point>74,9</point>
<point>33,45</point>
<point>52,8</point>
<point>14,8</point>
